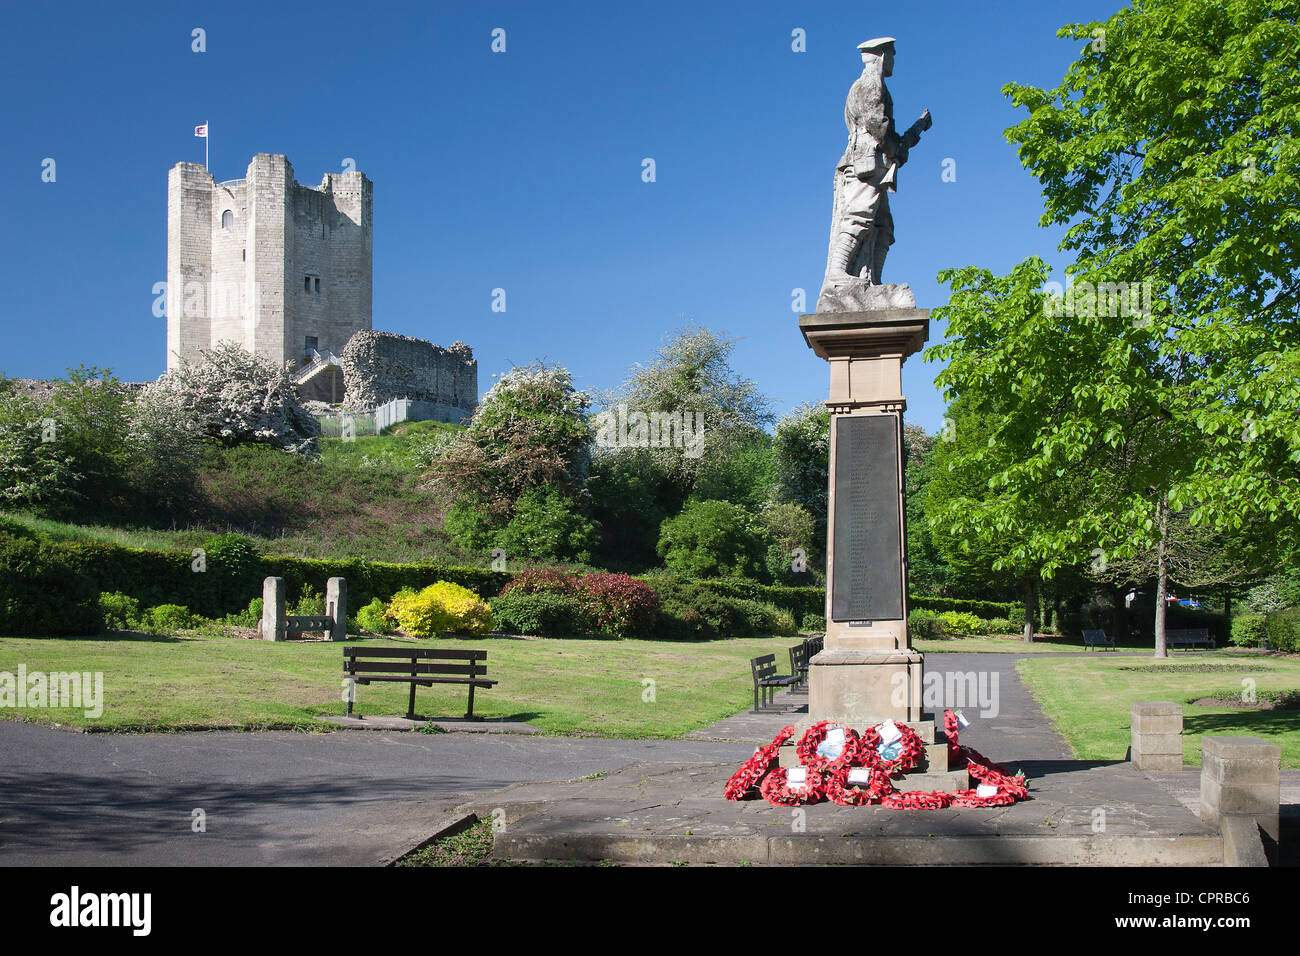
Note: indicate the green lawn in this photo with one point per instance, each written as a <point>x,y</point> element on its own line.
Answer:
<point>561,686</point>
<point>1088,698</point>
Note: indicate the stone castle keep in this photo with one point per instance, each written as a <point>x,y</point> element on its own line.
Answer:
<point>285,270</point>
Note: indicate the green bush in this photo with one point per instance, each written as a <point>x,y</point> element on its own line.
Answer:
<point>923,624</point>
<point>373,618</point>
<point>121,611</point>
<point>812,622</point>
<point>711,539</point>
<point>43,592</point>
<point>1001,625</point>
<point>440,608</point>
<point>1249,630</point>
<point>547,526</point>
<point>310,603</point>
<point>248,617</point>
<point>169,617</point>
<point>539,614</point>
<point>1284,630</point>
<point>961,623</point>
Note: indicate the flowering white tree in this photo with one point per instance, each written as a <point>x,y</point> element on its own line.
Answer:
<point>231,397</point>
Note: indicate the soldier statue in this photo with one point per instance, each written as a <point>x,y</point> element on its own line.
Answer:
<point>862,229</point>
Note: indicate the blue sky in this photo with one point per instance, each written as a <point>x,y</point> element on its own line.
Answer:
<point>518,170</point>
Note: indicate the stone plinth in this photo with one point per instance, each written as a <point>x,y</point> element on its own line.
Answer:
<point>1242,777</point>
<point>273,622</point>
<point>336,607</point>
<point>867,671</point>
<point>1157,741</point>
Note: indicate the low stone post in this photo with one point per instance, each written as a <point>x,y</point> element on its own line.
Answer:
<point>336,606</point>
<point>1157,735</point>
<point>273,623</point>
<point>1241,777</point>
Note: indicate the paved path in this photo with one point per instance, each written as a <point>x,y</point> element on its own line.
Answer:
<point>1009,727</point>
<point>279,798</point>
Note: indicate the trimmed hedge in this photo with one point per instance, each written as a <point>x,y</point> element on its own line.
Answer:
<point>1013,610</point>
<point>155,577</point>
<point>233,574</point>
<point>43,593</point>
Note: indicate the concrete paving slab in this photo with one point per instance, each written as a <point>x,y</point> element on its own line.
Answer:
<point>1080,814</point>
<point>460,725</point>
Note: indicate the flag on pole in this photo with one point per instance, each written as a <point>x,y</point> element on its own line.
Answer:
<point>201,131</point>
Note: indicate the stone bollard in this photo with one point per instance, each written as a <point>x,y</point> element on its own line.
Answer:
<point>1157,735</point>
<point>1241,777</point>
<point>273,625</point>
<point>336,606</point>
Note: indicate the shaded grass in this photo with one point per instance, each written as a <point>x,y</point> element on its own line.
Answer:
<point>1088,700</point>
<point>569,686</point>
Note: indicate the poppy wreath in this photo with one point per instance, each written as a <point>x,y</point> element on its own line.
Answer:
<point>957,752</point>
<point>744,780</point>
<point>840,791</point>
<point>813,738</point>
<point>918,800</point>
<point>912,749</point>
<point>1015,786</point>
<point>971,798</point>
<point>775,790</point>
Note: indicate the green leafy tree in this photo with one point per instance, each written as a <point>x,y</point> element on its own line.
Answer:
<point>927,572</point>
<point>801,467</point>
<point>36,470</point>
<point>1165,380</point>
<point>530,431</point>
<point>691,375</point>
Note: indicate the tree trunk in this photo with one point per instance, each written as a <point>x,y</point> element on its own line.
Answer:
<point>1162,580</point>
<point>1031,609</point>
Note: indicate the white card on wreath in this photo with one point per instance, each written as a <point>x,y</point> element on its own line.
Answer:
<point>986,790</point>
<point>962,722</point>
<point>889,732</point>
<point>860,775</point>
<point>835,737</point>
<point>797,777</point>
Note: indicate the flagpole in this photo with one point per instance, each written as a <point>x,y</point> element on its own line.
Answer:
<point>207,136</point>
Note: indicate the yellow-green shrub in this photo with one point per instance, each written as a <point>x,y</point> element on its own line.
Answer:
<point>438,609</point>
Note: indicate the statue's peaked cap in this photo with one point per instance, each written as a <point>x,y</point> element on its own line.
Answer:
<point>876,44</point>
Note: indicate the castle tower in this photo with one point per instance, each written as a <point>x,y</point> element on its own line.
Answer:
<point>280,268</point>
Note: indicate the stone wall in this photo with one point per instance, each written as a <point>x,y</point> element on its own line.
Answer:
<point>381,366</point>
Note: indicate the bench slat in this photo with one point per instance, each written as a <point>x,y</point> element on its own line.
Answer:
<point>425,681</point>
<point>371,667</point>
<point>409,652</point>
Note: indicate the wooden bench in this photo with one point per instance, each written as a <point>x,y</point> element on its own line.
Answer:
<point>767,680</point>
<point>1189,638</point>
<point>799,663</point>
<point>417,666</point>
<point>1095,638</point>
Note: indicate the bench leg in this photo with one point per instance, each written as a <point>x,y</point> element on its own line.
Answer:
<point>469,714</point>
<point>410,709</point>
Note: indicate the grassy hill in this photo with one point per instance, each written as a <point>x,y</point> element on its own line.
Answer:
<point>361,497</point>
